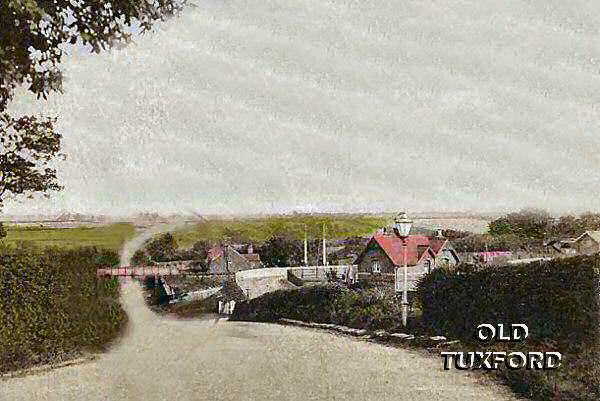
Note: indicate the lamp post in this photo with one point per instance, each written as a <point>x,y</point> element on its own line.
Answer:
<point>402,226</point>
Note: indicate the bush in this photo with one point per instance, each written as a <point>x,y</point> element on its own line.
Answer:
<point>370,308</point>
<point>557,300</point>
<point>52,304</point>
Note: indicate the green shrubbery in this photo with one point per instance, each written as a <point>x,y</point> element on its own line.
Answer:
<point>52,305</point>
<point>369,308</point>
<point>557,300</point>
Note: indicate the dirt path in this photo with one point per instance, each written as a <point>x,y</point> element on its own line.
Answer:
<point>165,359</point>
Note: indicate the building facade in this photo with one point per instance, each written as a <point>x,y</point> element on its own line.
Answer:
<point>385,253</point>
<point>588,243</point>
<point>227,260</point>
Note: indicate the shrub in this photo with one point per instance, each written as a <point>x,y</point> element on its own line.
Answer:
<point>52,304</point>
<point>557,300</point>
<point>369,308</point>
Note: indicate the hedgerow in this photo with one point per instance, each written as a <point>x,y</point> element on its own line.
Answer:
<point>52,305</point>
<point>559,302</point>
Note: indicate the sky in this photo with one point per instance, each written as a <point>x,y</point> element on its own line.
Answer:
<point>240,107</point>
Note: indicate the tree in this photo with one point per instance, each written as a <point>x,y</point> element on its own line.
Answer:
<point>455,234</point>
<point>588,221</point>
<point>27,146</point>
<point>198,253</point>
<point>527,223</point>
<point>3,232</point>
<point>33,35</point>
<point>140,258</point>
<point>282,251</point>
<point>163,248</point>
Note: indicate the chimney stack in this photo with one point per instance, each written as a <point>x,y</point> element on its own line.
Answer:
<point>250,249</point>
<point>439,232</point>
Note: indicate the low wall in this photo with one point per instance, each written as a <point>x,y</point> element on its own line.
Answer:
<point>307,273</point>
<point>257,282</point>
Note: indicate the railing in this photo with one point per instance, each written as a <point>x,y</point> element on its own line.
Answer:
<point>154,270</point>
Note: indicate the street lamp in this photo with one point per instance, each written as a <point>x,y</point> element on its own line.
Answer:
<point>402,225</point>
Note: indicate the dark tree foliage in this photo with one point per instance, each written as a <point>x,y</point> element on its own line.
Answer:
<point>454,234</point>
<point>530,223</point>
<point>198,253</point>
<point>501,242</point>
<point>163,248</point>
<point>3,232</point>
<point>140,258</point>
<point>34,31</point>
<point>33,35</point>
<point>282,251</point>
<point>27,145</point>
<point>538,224</point>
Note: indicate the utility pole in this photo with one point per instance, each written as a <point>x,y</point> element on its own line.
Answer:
<point>324,247</point>
<point>305,247</point>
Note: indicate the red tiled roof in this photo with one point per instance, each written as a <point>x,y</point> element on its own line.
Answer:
<point>437,244</point>
<point>393,246</point>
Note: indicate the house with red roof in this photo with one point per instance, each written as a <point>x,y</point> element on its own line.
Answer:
<point>386,250</point>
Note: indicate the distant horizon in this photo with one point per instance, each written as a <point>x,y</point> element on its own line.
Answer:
<point>7,217</point>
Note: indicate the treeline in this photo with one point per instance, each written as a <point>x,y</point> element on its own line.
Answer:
<point>52,305</point>
<point>165,248</point>
<point>539,224</point>
<point>277,251</point>
<point>525,230</point>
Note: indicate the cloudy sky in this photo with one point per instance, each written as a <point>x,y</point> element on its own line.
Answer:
<point>336,105</point>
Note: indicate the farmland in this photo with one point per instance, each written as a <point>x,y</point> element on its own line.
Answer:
<point>259,229</point>
<point>111,236</point>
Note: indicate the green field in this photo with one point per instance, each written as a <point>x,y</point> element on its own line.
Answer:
<point>110,236</point>
<point>258,230</point>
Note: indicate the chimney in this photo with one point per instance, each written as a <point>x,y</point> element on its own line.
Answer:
<point>250,249</point>
<point>439,232</point>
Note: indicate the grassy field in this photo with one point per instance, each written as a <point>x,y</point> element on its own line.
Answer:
<point>110,236</point>
<point>261,229</point>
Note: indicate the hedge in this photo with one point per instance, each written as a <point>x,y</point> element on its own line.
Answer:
<point>369,309</point>
<point>559,302</point>
<point>53,306</point>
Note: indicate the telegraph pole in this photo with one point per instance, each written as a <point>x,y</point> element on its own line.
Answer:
<point>324,247</point>
<point>305,246</point>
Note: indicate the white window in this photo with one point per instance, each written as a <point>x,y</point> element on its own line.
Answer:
<point>375,267</point>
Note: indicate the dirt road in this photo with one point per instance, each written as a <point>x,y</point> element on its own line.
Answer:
<point>164,359</point>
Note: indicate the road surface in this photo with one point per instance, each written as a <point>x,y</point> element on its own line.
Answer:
<point>160,358</point>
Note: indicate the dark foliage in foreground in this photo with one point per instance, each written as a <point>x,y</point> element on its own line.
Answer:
<point>557,300</point>
<point>53,306</point>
